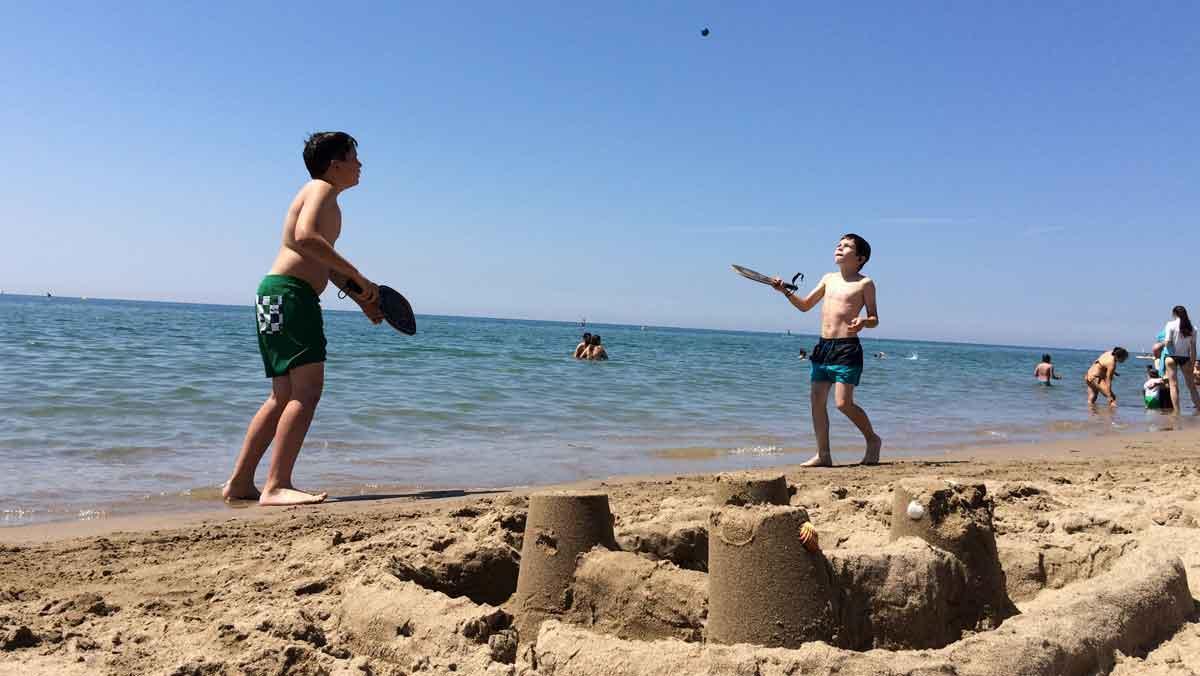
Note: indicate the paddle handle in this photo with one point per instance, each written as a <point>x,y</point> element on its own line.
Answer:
<point>792,286</point>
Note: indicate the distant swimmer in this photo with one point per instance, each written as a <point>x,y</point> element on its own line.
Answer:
<point>803,353</point>
<point>596,351</point>
<point>837,360</point>
<point>881,355</point>
<point>1044,371</point>
<point>582,348</point>
<point>1100,375</point>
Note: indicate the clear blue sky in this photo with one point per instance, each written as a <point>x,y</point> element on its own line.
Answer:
<point>1026,172</point>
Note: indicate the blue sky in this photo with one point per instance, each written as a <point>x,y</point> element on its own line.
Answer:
<point>1026,172</point>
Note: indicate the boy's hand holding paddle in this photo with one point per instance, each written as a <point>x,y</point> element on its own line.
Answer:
<point>362,290</point>
<point>366,293</point>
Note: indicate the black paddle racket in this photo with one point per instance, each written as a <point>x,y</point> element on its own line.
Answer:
<point>763,279</point>
<point>396,310</point>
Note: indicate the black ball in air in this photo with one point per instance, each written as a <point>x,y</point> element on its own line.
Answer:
<point>704,32</point>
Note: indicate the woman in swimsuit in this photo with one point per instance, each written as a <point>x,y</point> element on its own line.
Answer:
<point>1100,374</point>
<point>1179,338</point>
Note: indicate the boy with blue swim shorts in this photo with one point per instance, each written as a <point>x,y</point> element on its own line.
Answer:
<point>291,334</point>
<point>837,360</point>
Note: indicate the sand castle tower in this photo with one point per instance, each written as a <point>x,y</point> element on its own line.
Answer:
<point>957,518</point>
<point>560,526</point>
<point>746,488</point>
<point>764,587</point>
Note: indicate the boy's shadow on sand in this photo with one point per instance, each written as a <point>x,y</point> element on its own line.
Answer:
<point>418,495</point>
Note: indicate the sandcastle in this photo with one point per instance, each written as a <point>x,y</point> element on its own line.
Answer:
<point>561,525</point>
<point>769,605</point>
<point>764,586</point>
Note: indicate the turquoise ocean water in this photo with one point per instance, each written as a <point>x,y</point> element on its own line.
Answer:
<point>117,407</point>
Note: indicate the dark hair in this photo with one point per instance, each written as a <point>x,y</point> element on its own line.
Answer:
<point>1120,353</point>
<point>1151,371</point>
<point>586,338</point>
<point>1185,324</point>
<point>861,247</point>
<point>595,339</point>
<point>323,147</point>
<point>1046,358</point>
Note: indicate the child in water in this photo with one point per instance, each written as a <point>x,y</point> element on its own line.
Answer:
<point>1157,391</point>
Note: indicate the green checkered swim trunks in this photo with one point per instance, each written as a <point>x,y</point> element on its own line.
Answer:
<point>291,332</point>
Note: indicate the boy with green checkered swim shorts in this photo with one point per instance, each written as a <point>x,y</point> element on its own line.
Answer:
<point>837,360</point>
<point>291,333</point>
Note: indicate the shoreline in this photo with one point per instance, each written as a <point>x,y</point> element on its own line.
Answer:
<point>1095,446</point>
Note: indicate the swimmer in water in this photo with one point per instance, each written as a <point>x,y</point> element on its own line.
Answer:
<point>1044,372</point>
<point>581,349</point>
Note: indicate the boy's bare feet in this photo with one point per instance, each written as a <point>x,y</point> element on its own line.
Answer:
<point>817,461</point>
<point>233,492</point>
<point>290,496</point>
<point>873,448</point>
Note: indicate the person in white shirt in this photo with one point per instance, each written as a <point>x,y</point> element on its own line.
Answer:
<point>1179,341</point>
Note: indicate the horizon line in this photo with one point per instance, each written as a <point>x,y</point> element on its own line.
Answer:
<point>562,321</point>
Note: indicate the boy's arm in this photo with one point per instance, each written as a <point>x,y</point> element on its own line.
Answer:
<point>806,303</point>
<point>872,319</point>
<point>373,310</point>
<point>306,239</point>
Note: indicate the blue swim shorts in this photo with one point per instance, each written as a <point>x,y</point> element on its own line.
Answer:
<point>837,360</point>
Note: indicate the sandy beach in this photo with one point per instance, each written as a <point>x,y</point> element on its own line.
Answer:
<point>424,583</point>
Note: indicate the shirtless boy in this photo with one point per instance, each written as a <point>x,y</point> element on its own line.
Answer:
<point>837,360</point>
<point>291,335</point>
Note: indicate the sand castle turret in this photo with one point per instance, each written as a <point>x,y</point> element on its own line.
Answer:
<point>746,488</point>
<point>560,526</point>
<point>957,518</point>
<point>764,587</point>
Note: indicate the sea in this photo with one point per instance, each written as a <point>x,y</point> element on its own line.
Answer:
<point>111,407</point>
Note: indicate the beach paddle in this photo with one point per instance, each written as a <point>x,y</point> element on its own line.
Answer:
<point>395,307</point>
<point>763,279</point>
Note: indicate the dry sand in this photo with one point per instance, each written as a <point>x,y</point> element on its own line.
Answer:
<point>1093,537</point>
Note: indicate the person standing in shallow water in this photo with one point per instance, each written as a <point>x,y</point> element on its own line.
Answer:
<point>1100,374</point>
<point>1044,372</point>
<point>837,360</point>
<point>1179,339</point>
<point>291,336</point>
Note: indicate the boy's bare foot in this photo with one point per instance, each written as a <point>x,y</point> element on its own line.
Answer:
<point>817,461</point>
<point>281,497</point>
<point>239,492</point>
<point>873,448</point>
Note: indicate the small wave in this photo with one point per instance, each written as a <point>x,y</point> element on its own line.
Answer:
<point>913,357</point>
<point>92,514</point>
<point>757,450</point>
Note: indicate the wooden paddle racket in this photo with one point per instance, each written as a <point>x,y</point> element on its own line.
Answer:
<point>763,279</point>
